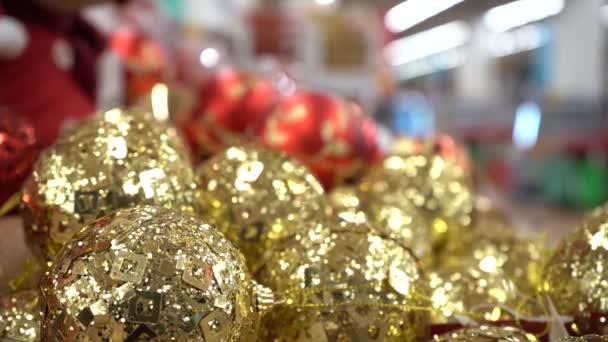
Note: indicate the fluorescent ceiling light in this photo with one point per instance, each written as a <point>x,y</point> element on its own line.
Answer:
<point>413,12</point>
<point>521,12</point>
<point>427,43</point>
<point>518,40</point>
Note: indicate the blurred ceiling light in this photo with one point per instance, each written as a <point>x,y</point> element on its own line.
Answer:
<point>210,57</point>
<point>527,125</point>
<point>427,43</point>
<point>325,2</point>
<point>521,12</point>
<point>412,12</point>
<point>518,40</point>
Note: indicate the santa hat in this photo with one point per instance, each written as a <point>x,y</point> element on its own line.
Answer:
<point>13,36</point>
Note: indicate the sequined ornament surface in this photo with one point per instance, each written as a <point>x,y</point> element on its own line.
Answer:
<point>469,292</point>
<point>18,152</point>
<point>490,273</point>
<point>116,160</point>
<point>576,276</point>
<point>20,317</point>
<point>487,333</point>
<point>343,281</point>
<point>257,196</point>
<point>496,249</point>
<point>148,274</point>
<point>429,183</point>
<point>231,104</point>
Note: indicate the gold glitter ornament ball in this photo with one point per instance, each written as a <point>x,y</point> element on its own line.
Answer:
<point>430,183</point>
<point>149,274</point>
<point>491,273</point>
<point>496,249</point>
<point>257,196</point>
<point>343,281</point>
<point>20,317</point>
<point>401,220</point>
<point>486,333</point>
<point>576,276</point>
<point>115,160</point>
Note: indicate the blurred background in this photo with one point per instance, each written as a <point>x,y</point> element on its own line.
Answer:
<point>520,83</point>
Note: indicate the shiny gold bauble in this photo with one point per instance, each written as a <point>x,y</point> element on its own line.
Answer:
<point>487,333</point>
<point>576,276</point>
<point>427,182</point>
<point>496,249</point>
<point>401,220</point>
<point>344,281</point>
<point>469,292</point>
<point>257,196</point>
<point>490,273</point>
<point>20,317</point>
<point>150,274</point>
<point>116,160</point>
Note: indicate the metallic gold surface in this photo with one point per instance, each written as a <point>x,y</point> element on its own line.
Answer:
<point>486,333</point>
<point>115,160</point>
<point>401,219</point>
<point>491,273</point>
<point>425,181</point>
<point>343,281</point>
<point>20,318</point>
<point>149,273</point>
<point>576,276</point>
<point>257,196</point>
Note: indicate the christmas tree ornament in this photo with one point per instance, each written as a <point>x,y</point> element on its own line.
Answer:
<point>230,106</point>
<point>575,276</point>
<point>486,333</point>
<point>490,273</point>
<point>441,144</point>
<point>401,221</point>
<point>18,152</point>
<point>322,131</point>
<point>20,317</point>
<point>433,185</point>
<point>477,295</point>
<point>344,200</point>
<point>146,61</point>
<point>149,273</point>
<point>495,249</point>
<point>117,160</point>
<point>344,281</point>
<point>257,196</point>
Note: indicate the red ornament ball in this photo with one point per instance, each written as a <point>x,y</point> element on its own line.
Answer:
<point>231,104</point>
<point>18,152</point>
<point>330,135</point>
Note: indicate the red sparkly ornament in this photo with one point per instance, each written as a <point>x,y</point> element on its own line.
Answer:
<point>331,136</point>
<point>146,61</point>
<point>18,152</point>
<point>230,105</point>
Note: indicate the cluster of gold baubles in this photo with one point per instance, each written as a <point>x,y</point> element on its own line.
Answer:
<point>249,247</point>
